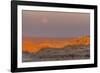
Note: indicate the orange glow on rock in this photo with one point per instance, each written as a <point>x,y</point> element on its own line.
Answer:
<point>36,45</point>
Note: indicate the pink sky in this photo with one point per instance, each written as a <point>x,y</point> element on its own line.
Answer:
<point>55,24</point>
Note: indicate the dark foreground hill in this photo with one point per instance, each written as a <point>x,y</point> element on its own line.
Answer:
<point>75,52</point>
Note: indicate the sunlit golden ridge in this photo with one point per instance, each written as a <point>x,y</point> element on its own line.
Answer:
<point>34,45</point>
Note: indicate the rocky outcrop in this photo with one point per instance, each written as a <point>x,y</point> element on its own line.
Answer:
<point>52,54</point>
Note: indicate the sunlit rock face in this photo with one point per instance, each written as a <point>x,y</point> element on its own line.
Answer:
<point>34,45</point>
<point>52,49</point>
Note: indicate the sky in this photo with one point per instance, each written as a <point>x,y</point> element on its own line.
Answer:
<point>55,24</point>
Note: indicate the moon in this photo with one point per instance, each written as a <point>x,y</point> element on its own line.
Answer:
<point>44,20</point>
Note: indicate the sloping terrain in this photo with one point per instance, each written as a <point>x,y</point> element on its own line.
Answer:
<point>33,45</point>
<point>56,49</point>
<point>66,53</point>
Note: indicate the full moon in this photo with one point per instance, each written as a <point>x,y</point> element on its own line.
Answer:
<point>45,20</point>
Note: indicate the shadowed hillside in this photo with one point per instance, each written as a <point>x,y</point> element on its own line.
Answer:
<point>51,49</point>
<point>66,53</point>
